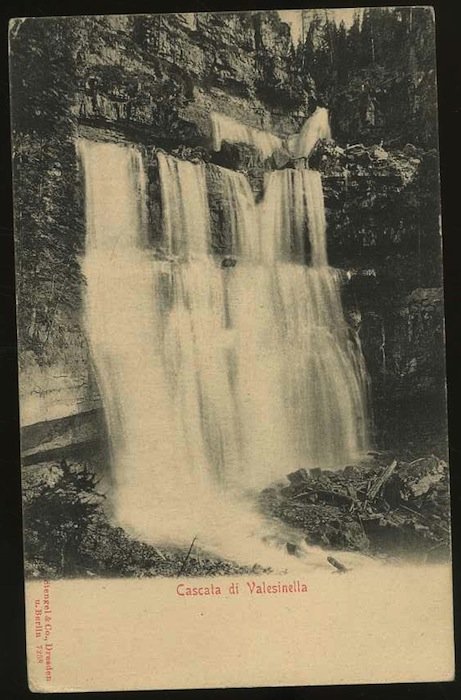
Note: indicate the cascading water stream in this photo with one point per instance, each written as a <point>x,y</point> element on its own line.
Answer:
<point>299,146</point>
<point>301,384</point>
<point>315,128</point>
<point>214,380</point>
<point>154,329</point>
<point>225,128</point>
<point>323,375</point>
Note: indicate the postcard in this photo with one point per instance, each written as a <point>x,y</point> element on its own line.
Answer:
<point>231,349</point>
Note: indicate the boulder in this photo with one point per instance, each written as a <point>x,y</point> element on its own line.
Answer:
<point>419,477</point>
<point>298,477</point>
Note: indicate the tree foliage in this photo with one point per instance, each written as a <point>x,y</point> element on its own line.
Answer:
<point>46,193</point>
<point>57,514</point>
<point>377,76</point>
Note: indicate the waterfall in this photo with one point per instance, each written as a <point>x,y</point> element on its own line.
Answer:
<point>213,379</point>
<point>300,145</point>
<point>186,225</point>
<point>227,129</point>
<point>294,218</point>
<point>302,383</point>
<point>243,215</point>
<point>315,128</point>
<point>154,332</point>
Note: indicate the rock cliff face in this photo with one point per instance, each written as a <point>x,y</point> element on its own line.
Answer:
<point>175,71</point>
<point>155,80</point>
<point>383,214</point>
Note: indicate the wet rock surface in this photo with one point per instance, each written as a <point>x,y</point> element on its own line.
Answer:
<point>382,506</point>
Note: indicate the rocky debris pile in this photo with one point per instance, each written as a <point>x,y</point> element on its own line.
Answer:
<point>381,506</point>
<point>356,160</point>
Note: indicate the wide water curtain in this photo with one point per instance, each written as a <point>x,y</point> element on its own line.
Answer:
<point>277,376</point>
<point>155,332</point>
<point>301,382</point>
<point>213,378</point>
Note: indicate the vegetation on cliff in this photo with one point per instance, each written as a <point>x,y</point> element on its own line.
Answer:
<point>377,76</point>
<point>49,225</point>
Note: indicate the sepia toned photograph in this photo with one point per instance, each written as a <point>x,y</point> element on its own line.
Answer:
<point>230,318</point>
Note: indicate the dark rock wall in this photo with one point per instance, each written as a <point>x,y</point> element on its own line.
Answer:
<point>162,75</point>
<point>383,214</point>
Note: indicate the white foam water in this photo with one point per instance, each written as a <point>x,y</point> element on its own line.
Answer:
<point>225,128</point>
<point>214,381</point>
<point>299,145</point>
<point>315,128</point>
